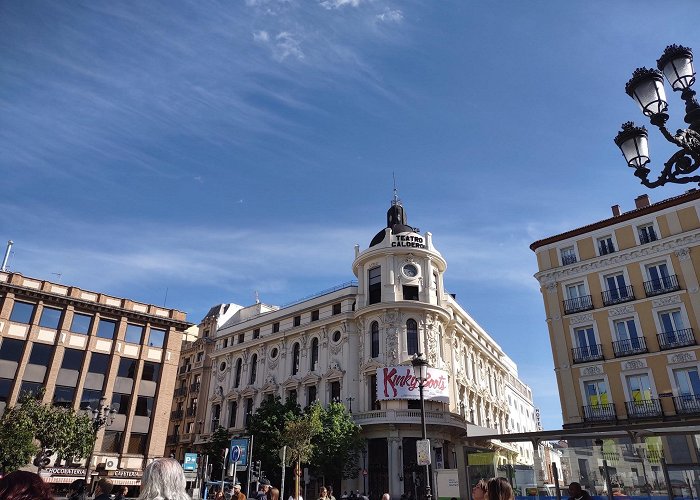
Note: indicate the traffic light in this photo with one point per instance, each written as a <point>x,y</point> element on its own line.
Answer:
<point>256,472</point>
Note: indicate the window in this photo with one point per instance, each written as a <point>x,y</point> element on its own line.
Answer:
<point>156,338</point>
<point>568,255</point>
<point>72,359</point>
<point>617,290</point>
<point>253,369</point>
<point>81,323</point>
<point>232,413</point>
<point>91,398</point>
<point>256,333</point>
<point>275,327</point>
<point>605,245</point>
<point>628,340</point>
<point>336,336</point>
<point>314,354</point>
<point>310,395</point>
<point>137,443</point>
<point>671,321</point>
<point>660,280</point>
<point>215,416</point>
<point>596,392</point>
<point>22,312</point>
<point>11,349</point>
<point>373,402</point>
<point>106,328</point>
<point>292,395</point>
<point>374,339</point>
<point>151,372</point>
<point>63,396</point>
<point>314,315</point>
<point>577,298</point>
<point>335,391</point>
<point>239,367</point>
<point>295,359</point>
<point>336,309</point>
<point>241,338</point>
<point>374,280</point>
<point>225,344</point>
<point>41,354</point>
<point>410,292</point>
<point>31,388</point>
<point>144,406</point>
<point>412,336</point>
<point>200,356</point>
<point>50,318</point>
<point>646,233</point>
<point>587,348</point>
<point>687,384</point>
<point>111,442</point>
<point>98,363</point>
<point>248,411</point>
<point>127,368</point>
<point>639,387</point>
<point>134,334</point>
<point>120,403</point>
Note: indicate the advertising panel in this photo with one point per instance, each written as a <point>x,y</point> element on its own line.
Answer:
<point>242,444</point>
<point>398,382</point>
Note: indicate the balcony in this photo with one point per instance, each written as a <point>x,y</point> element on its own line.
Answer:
<point>194,387</point>
<point>185,438</point>
<point>661,285</point>
<point>184,369</point>
<point>687,405</point>
<point>650,408</point>
<point>176,414</point>
<point>583,303</point>
<point>617,295</point>
<point>647,236</point>
<point>384,417</point>
<point>568,259</point>
<point>599,413</point>
<point>588,353</point>
<point>171,439</point>
<point>180,392</point>
<point>630,347</point>
<point>677,338</point>
<point>192,412</point>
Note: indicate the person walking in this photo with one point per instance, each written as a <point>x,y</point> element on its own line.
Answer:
<point>163,479</point>
<point>76,490</point>
<point>479,490</point>
<point>237,493</point>
<point>103,490</point>
<point>122,492</point>
<point>576,492</point>
<point>23,485</point>
<point>329,489</point>
<point>498,488</point>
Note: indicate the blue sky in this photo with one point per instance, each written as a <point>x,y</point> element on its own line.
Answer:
<point>212,149</point>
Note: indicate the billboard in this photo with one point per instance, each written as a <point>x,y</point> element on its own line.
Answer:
<point>398,382</point>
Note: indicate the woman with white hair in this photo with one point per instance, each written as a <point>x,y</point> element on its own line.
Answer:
<point>163,479</point>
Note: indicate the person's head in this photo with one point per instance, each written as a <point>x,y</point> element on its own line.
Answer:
<point>24,485</point>
<point>124,490</point>
<point>575,489</point>
<point>498,488</point>
<point>264,484</point>
<point>105,486</point>
<point>386,496</point>
<point>77,487</point>
<point>273,494</point>
<point>479,490</point>
<point>163,478</point>
<point>323,491</point>
<point>236,488</point>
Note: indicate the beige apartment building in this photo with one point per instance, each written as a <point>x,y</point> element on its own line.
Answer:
<point>81,346</point>
<point>623,305</point>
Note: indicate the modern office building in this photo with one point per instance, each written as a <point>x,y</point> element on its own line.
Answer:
<point>354,343</point>
<point>622,302</point>
<point>81,346</point>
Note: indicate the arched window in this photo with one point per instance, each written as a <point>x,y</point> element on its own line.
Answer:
<point>374,334</point>
<point>295,359</point>
<point>314,354</point>
<point>412,336</point>
<point>253,369</point>
<point>237,381</point>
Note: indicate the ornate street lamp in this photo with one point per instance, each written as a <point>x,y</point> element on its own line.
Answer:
<point>420,372</point>
<point>646,87</point>
<point>101,416</point>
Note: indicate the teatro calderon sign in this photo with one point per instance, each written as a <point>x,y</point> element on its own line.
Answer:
<point>398,382</point>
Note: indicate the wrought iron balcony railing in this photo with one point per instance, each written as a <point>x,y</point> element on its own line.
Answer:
<point>176,414</point>
<point>194,387</point>
<point>661,285</point>
<point>599,413</point>
<point>583,303</point>
<point>568,259</point>
<point>688,404</point>
<point>618,295</point>
<point>649,408</point>
<point>629,347</point>
<point>180,391</point>
<point>647,236</point>
<point>192,412</point>
<point>588,353</point>
<point>677,338</point>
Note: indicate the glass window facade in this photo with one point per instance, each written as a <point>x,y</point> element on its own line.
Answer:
<point>22,312</point>
<point>81,323</point>
<point>50,318</point>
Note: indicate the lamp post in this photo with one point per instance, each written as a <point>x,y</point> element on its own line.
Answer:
<point>101,416</point>
<point>646,87</point>
<point>364,470</point>
<point>420,372</point>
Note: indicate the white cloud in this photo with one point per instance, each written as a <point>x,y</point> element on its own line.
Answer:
<point>337,4</point>
<point>261,36</point>
<point>287,45</point>
<point>390,16</point>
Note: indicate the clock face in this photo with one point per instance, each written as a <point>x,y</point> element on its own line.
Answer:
<point>410,270</point>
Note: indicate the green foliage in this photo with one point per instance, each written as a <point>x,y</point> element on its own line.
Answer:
<point>267,425</point>
<point>299,432</point>
<point>220,440</point>
<point>62,430</point>
<point>337,446</point>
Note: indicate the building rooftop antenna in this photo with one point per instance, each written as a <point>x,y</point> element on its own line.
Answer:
<point>396,200</point>
<point>257,297</point>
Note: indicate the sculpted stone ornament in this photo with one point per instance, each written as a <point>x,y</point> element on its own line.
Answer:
<point>682,253</point>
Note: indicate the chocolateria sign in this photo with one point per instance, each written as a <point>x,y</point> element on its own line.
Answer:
<point>398,382</point>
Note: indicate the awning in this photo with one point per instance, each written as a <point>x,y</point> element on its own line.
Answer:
<point>61,479</point>
<point>126,482</point>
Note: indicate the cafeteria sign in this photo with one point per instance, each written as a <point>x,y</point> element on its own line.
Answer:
<point>398,382</point>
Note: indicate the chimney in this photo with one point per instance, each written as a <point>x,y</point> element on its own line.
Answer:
<point>641,201</point>
<point>616,210</point>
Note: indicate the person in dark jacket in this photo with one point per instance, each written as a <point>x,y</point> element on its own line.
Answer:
<point>103,490</point>
<point>578,493</point>
<point>76,490</point>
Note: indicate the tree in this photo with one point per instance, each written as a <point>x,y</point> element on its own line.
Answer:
<point>220,440</point>
<point>337,446</point>
<point>61,430</point>
<point>267,424</point>
<point>298,437</point>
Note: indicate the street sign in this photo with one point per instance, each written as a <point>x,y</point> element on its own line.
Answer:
<point>190,461</point>
<point>235,453</point>
<point>423,451</point>
<point>242,444</point>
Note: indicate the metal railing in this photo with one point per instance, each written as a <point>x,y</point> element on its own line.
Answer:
<point>688,404</point>
<point>568,259</point>
<point>192,412</point>
<point>629,347</point>
<point>618,295</point>
<point>588,353</point>
<point>583,303</point>
<point>647,236</point>
<point>194,387</point>
<point>175,414</point>
<point>648,408</point>
<point>180,391</point>
<point>661,285</point>
<point>599,413</point>
<point>677,338</point>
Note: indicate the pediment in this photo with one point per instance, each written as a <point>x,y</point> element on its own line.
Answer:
<point>291,382</point>
<point>310,379</point>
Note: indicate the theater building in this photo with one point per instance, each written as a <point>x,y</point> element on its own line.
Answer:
<point>80,346</point>
<point>354,343</point>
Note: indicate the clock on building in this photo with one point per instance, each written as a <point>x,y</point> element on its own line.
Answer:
<point>410,270</point>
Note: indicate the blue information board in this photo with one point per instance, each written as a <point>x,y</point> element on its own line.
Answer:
<point>190,461</point>
<point>242,443</point>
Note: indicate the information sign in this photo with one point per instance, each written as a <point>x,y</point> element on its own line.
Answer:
<point>242,445</point>
<point>190,461</point>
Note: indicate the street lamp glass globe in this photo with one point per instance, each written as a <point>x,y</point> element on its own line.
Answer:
<point>677,66</point>
<point>634,144</point>
<point>420,368</point>
<point>646,87</point>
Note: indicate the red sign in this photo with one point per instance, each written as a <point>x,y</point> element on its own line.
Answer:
<point>398,382</point>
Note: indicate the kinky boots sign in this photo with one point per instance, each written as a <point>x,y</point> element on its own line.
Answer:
<point>398,382</point>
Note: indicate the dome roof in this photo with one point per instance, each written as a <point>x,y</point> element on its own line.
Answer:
<point>396,221</point>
